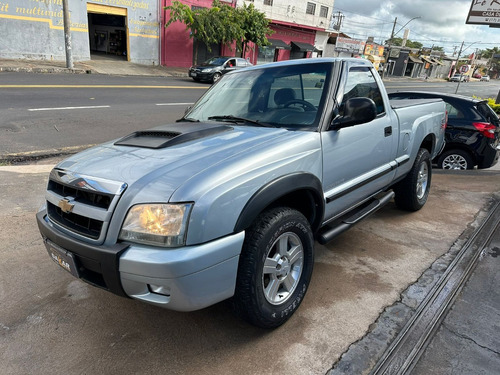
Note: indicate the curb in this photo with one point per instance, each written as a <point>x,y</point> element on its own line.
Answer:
<point>43,70</point>
<point>21,157</point>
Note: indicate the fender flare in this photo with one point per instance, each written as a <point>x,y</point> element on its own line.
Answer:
<point>277,189</point>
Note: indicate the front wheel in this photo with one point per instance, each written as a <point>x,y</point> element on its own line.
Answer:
<point>275,267</point>
<point>216,77</point>
<point>412,192</point>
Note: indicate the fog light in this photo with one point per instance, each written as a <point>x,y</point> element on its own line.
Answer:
<point>159,289</point>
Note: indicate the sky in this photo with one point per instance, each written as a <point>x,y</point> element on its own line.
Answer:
<point>441,23</point>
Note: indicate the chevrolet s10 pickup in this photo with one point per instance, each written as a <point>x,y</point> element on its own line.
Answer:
<point>229,201</point>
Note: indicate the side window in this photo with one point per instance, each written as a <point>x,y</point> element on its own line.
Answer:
<point>453,112</point>
<point>241,62</point>
<point>361,83</point>
<point>231,63</point>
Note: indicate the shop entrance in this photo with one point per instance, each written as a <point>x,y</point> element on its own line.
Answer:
<point>108,32</point>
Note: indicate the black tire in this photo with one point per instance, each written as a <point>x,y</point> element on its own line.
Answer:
<point>216,77</point>
<point>280,239</point>
<point>455,159</point>
<point>412,192</point>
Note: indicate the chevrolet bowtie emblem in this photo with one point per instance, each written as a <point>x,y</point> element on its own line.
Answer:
<point>65,205</point>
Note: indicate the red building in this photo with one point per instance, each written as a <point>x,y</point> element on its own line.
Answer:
<point>289,41</point>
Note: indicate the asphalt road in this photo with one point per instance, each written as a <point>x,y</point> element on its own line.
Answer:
<point>42,112</point>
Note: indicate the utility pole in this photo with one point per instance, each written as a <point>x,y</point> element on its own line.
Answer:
<point>389,48</point>
<point>67,35</point>
<point>456,64</point>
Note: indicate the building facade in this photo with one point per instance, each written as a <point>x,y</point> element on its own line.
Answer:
<point>127,29</point>
<point>299,31</point>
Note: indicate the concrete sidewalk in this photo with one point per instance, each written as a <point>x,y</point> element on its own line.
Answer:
<point>100,64</point>
<point>468,340</point>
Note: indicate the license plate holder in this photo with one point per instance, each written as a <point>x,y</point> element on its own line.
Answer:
<point>193,74</point>
<point>62,257</point>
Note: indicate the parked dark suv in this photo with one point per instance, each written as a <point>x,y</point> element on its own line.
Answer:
<point>473,132</point>
<point>213,69</point>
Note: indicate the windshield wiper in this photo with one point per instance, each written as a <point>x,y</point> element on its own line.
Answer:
<point>188,119</point>
<point>236,120</point>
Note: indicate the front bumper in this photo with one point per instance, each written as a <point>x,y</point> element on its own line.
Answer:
<point>184,279</point>
<point>202,76</point>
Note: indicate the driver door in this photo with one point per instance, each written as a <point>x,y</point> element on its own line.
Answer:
<point>356,159</point>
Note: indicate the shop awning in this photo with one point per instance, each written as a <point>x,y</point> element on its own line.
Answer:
<point>303,47</point>
<point>437,61</point>
<point>428,60</point>
<point>375,59</point>
<point>415,60</point>
<point>278,44</point>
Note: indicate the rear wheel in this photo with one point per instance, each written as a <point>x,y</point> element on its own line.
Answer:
<point>275,267</point>
<point>412,192</point>
<point>455,159</point>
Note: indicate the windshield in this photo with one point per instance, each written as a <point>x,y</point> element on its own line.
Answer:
<point>216,61</point>
<point>285,96</point>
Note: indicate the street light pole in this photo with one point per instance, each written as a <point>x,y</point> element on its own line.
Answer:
<point>393,34</point>
<point>67,35</point>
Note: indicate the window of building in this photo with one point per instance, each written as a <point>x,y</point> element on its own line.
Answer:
<point>323,11</point>
<point>268,2</point>
<point>311,8</point>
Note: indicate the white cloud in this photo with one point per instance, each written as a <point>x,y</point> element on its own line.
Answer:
<point>441,22</point>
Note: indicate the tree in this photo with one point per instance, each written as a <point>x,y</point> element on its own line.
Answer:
<point>217,24</point>
<point>221,24</point>
<point>399,42</point>
<point>255,27</point>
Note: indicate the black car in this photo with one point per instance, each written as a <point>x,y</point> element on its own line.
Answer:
<point>473,132</point>
<point>213,69</point>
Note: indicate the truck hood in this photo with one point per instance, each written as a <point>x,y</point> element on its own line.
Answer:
<point>170,153</point>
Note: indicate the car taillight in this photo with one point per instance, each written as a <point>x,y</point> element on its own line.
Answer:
<point>444,123</point>
<point>485,128</point>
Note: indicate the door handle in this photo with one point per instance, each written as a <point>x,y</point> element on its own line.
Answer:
<point>388,131</point>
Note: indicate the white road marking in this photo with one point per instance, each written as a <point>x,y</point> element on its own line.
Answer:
<point>65,108</point>
<point>174,103</point>
<point>31,169</point>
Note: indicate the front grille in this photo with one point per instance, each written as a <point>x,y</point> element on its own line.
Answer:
<point>82,225</point>
<point>82,205</point>
<point>84,196</point>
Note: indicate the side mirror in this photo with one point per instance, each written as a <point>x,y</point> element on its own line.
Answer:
<point>356,111</point>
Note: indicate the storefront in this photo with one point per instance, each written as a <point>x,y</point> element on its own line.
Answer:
<point>124,29</point>
<point>413,67</point>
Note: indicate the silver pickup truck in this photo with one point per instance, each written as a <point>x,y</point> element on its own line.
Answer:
<point>227,202</point>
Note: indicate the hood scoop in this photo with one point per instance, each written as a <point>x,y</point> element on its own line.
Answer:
<point>167,136</point>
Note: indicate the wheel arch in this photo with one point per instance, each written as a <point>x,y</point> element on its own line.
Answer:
<point>461,147</point>
<point>428,143</point>
<point>301,191</point>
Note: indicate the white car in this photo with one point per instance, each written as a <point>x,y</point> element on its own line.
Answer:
<point>485,78</point>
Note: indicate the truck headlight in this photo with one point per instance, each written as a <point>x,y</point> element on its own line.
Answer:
<point>157,224</point>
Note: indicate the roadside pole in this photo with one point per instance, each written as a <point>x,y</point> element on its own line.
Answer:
<point>67,35</point>
<point>456,65</point>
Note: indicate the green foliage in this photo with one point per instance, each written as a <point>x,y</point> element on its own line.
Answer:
<point>222,24</point>
<point>491,103</point>
<point>255,27</point>
<point>409,43</point>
